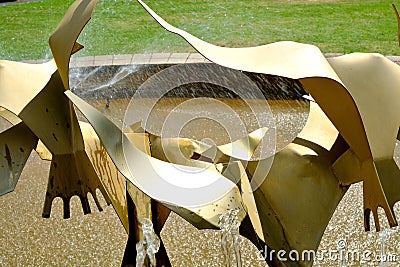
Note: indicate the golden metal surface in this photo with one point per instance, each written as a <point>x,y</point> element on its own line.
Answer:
<point>297,198</point>
<point>349,136</point>
<point>36,76</point>
<point>43,152</point>
<point>293,205</point>
<point>198,195</point>
<point>176,150</point>
<point>242,149</point>
<point>378,111</point>
<point>141,200</point>
<point>9,116</point>
<point>16,144</point>
<point>114,183</point>
<point>182,151</point>
<point>38,100</point>
<point>331,82</point>
<point>63,40</point>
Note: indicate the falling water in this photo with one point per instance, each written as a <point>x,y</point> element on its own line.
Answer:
<point>383,236</point>
<point>122,73</point>
<point>78,76</point>
<point>148,245</point>
<point>229,224</point>
<point>341,245</point>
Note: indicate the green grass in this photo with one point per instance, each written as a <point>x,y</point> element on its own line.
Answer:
<point>122,26</point>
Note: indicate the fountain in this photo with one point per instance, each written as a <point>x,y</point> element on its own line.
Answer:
<point>229,224</point>
<point>148,246</point>
<point>145,174</point>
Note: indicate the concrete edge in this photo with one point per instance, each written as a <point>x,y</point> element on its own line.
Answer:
<point>153,58</point>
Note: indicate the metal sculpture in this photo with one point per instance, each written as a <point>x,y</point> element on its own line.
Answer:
<point>398,22</point>
<point>199,195</point>
<point>340,145</point>
<point>80,164</point>
<point>345,89</point>
<point>142,171</point>
<point>39,102</point>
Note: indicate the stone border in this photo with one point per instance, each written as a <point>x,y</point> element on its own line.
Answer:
<point>153,58</point>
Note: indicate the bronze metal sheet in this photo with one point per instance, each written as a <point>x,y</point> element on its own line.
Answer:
<point>36,76</point>
<point>334,88</point>
<point>9,116</point>
<point>114,183</point>
<point>202,192</point>
<point>242,149</point>
<point>16,144</point>
<point>294,203</point>
<point>288,59</point>
<point>379,112</point>
<point>63,40</point>
<point>182,150</point>
<point>52,118</point>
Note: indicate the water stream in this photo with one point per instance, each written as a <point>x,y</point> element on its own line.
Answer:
<point>383,237</point>
<point>230,237</point>
<point>148,246</point>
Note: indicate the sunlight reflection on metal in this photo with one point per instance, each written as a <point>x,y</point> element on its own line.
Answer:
<point>144,172</point>
<point>350,80</point>
<point>349,137</point>
<point>39,102</point>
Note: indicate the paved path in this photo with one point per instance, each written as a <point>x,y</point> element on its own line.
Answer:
<point>154,58</point>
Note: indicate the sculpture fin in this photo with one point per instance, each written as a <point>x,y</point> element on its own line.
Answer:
<point>16,145</point>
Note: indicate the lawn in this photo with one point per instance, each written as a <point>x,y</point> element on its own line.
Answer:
<point>122,26</point>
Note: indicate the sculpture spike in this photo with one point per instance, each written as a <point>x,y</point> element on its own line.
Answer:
<point>42,106</point>
<point>63,40</point>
